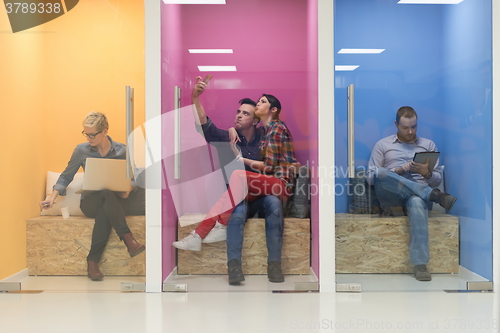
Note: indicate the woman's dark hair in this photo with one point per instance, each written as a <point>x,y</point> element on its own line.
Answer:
<point>274,103</point>
<point>247,101</point>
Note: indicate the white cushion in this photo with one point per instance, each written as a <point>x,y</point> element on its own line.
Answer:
<point>70,200</point>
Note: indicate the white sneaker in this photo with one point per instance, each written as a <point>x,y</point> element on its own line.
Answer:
<point>191,242</point>
<point>217,234</point>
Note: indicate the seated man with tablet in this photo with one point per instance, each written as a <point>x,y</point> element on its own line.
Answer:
<point>405,171</point>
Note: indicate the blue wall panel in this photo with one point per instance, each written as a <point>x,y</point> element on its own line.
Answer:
<point>437,60</point>
<point>408,72</point>
<point>467,83</point>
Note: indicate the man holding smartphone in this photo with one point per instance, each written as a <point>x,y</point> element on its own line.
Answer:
<point>400,181</point>
<point>269,207</point>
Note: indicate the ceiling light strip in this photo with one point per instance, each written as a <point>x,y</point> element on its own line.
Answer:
<point>217,68</point>
<point>430,2</point>
<point>361,51</point>
<point>346,67</point>
<point>195,2</point>
<point>210,50</point>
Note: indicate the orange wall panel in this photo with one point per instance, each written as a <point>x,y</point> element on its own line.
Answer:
<point>21,138</point>
<point>52,76</point>
<point>95,51</point>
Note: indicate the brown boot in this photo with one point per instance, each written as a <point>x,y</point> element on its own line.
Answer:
<point>93,271</point>
<point>134,248</point>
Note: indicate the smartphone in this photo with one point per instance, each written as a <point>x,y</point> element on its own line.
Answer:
<point>207,78</point>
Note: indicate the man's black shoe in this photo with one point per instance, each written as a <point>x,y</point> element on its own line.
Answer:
<point>274,273</point>
<point>443,199</point>
<point>421,273</point>
<point>235,272</point>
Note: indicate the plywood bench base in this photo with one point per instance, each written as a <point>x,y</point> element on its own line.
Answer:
<point>373,244</point>
<point>212,259</point>
<point>57,246</point>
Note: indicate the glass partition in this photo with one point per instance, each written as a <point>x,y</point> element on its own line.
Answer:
<point>250,54</point>
<point>437,60</point>
<point>57,69</point>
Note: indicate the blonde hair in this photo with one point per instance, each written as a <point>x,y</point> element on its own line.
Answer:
<point>97,120</point>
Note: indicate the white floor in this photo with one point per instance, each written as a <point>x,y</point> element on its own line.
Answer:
<point>254,283</point>
<point>77,283</point>
<point>253,312</point>
<point>204,283</point>
<point>76,304</point>
<point>407,282</point>
<point>369,282</point>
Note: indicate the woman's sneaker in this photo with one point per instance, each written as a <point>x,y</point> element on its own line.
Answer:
<point>217,234</point>
<point>191,242</point>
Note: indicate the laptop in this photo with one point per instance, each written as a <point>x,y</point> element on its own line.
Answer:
<point>105,174</point>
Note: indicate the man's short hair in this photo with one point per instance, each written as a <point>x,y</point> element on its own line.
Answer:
<point>248,101</point>
<point>405,111</point>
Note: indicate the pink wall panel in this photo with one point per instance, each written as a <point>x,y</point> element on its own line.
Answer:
<point>270,43</point>
<point>275,52</point>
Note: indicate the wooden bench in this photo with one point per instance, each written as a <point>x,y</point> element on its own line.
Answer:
<point>373,244</point>
<point>57,246</point>
<point>212,259</point>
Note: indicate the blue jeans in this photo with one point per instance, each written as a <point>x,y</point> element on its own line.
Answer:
<point>394,190</point>
<point>269,207</point>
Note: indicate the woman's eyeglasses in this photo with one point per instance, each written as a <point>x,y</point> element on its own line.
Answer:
<point>90,136</point>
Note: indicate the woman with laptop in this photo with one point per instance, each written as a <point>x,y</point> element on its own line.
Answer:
<point>107,207</point>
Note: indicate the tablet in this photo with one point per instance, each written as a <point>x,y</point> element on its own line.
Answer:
<point>423,156</point>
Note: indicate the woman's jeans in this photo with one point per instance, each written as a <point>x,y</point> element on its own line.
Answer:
<point>394,190</point>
